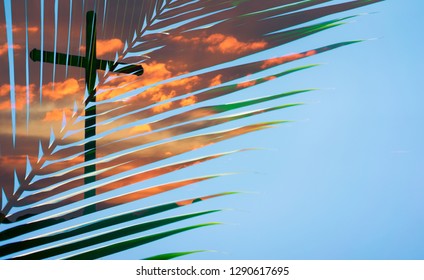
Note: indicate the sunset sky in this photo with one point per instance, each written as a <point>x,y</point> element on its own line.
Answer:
<point>319,132</point>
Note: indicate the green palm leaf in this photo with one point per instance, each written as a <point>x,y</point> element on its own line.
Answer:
<point>170,256</point>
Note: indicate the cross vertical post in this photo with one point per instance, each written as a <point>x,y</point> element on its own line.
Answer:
<point>90,111</point>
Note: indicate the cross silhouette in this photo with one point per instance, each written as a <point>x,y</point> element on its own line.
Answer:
<point>91,65</point>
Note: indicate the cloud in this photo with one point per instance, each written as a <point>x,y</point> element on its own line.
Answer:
<point>107,46</point>
<point>5,47</point>
<point>154,72</point>
<point>11,163</point>
<point>287,58</point>
<point>15,28</point>
<point>57,114</point>
<point>31,29</point>
<point>246,84</point>
<point>188,101</point>
<point>170,90</point>
<point>161,96</point>
<point>59,90</point>
<point>219,43</point>
<point>223,44</point>
<point>16,162</point>
<point>141,129</point>
<point>216,81</point>
<point>20,94</point>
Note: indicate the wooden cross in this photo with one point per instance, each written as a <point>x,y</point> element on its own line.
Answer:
<point>91,65</point>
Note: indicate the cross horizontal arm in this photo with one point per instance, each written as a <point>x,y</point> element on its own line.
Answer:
<point>80,61</point>
<point>73,60</point>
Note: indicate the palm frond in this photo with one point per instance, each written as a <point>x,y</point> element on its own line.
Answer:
<point>195,55</point>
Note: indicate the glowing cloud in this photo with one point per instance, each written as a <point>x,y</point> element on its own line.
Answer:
<point>57,114</point>
<point>188,101</point>
<point>224,44</point>
<point>246,84</point>
<point>5,47</point>
<point>15,28</point>
<point>59,90</point>
<point>216,81</point>
<point>287,58</point>
<point>170,90</point>
<point>154,72</point>
<point>107,46</point>
<point>219,43</point>
<point>20,92</point>
<point>141,129</point>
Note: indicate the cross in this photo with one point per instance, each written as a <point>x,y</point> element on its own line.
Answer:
<point>91,65</point>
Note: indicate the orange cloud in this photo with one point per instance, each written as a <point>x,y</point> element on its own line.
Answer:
<point>141,129</point>
<point>5,47</point>
<point>140,177</point>
<point>270,78</point>
<point>188,101</point>
<point>246,84</point>
<point>15,28</point>
<point>153,73</point>
<point>170,90</point>
<point>59,90</point>
<point>182,39</point>
<point>16,160</point>
<point>32,29</point>
<point>9,163</point>
<point>161,96</point>
<point>20,93</point>
<point>57,114</point>
<point>186,84</point>
<point>107,46</point>
<point>216,80</point>
<point>219,43</point>
<point>287,58</point>
<point>224,44</point>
